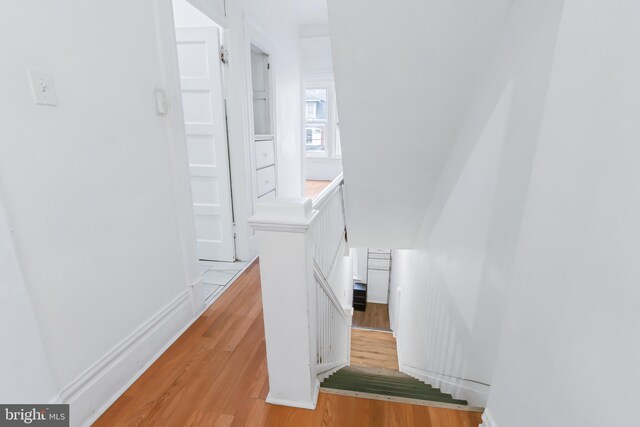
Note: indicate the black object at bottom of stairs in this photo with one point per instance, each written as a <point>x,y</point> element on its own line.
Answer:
<point>386,382</point>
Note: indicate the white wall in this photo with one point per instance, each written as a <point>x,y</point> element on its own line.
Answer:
<point>96,189</point>
<point>570,348</point>
<point>322,168</point>
<point>88,184</point>
<point>360,257</point>
<point>315,57</point>
<point>404,73</point>
<point>454,284</point>
<point>24,368</point>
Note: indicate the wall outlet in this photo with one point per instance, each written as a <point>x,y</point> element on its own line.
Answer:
<point>42,88</point>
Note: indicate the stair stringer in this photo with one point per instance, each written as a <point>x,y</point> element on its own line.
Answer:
<point>473,392</point>
<point>326,374</point>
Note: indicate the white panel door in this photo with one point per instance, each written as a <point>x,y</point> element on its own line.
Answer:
<point>203,103</point>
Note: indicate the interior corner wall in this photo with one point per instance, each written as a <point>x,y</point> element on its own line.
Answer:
<point>454,283</point>
<point>92,194</point>
<point>570,346</point>
<point>24,370</point>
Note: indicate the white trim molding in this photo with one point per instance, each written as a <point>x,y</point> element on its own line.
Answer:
<point>473,392</point>
<point>95,390</point>
<point>487,419</point>
<point>292,215</point>
<point>296,403</point>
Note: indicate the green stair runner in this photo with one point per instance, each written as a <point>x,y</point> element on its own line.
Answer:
<point>386,383</point>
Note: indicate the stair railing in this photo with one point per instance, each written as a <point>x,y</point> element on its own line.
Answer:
<point>302,248</point>
<point>329,227</point>
<point>333,329</point>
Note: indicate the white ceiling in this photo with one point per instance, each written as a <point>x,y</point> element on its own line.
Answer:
<point>311,12</point>
<point>404,71</point>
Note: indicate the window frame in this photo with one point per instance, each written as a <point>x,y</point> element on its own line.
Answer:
<point>330,150</point>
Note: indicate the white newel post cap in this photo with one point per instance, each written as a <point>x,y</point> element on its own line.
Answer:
<point>283,214</point>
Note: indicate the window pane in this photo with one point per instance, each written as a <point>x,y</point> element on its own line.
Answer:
<point>316,100</point>
<point>315,136</point>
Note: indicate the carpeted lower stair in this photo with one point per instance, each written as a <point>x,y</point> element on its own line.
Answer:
<point>385,382</point>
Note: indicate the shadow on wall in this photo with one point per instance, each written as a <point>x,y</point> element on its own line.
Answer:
<point>454,283</point>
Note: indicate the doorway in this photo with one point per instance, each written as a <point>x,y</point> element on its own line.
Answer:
<point>201,81</point>
<point>198,46</point>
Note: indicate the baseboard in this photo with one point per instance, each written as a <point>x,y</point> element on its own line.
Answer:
<point>95,390</point>
<point>474,393</point>
<point>487,419</point>
<point>296,403</point>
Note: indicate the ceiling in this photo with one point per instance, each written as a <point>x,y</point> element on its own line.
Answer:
<point>311,12</point>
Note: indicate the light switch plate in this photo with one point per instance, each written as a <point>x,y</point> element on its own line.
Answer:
<point>42,88</point>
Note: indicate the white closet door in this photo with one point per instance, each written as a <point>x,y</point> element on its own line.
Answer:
<point>203,102</point>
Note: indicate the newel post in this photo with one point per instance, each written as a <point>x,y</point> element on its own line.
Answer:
<point>285,244</point>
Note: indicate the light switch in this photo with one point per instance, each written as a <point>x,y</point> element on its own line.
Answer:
<point>42,88</point>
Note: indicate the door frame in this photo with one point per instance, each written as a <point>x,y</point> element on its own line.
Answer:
<point>170,85</point>
<point>237,34</point>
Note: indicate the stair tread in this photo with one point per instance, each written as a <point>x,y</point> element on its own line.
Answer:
<point>386,389</point>
<point>387,383</point>
<point>402,383</point>
<point>420,396</point>
<point>380,378</point>
<point>392,385</point>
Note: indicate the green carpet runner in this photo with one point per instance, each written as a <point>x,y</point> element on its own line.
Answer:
<point>387,383</point>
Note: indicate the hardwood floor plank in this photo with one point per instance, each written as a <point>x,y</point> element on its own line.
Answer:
<point>373,349</point>
<point>376,316</point>
<point>216,374</point>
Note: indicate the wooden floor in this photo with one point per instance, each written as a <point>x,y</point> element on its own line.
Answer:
<point>373,349</point>
<point>215,374</point>
<point>313,188</point>
<point>376,316</point>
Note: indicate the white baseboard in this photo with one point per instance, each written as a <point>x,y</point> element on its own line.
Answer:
<point>474,393</point>
<point>296,403</point>
<point>487,419</point>
<point>95,390</point>
<point>380,301</point>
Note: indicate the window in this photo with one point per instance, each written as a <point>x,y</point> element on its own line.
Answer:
<point>320,121</point>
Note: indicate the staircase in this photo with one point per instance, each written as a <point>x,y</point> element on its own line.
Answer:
<point>386,384</point>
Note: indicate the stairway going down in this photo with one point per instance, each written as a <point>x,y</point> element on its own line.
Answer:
<point>385,384</point>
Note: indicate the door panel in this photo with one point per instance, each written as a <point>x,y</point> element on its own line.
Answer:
<point>203,105</point>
